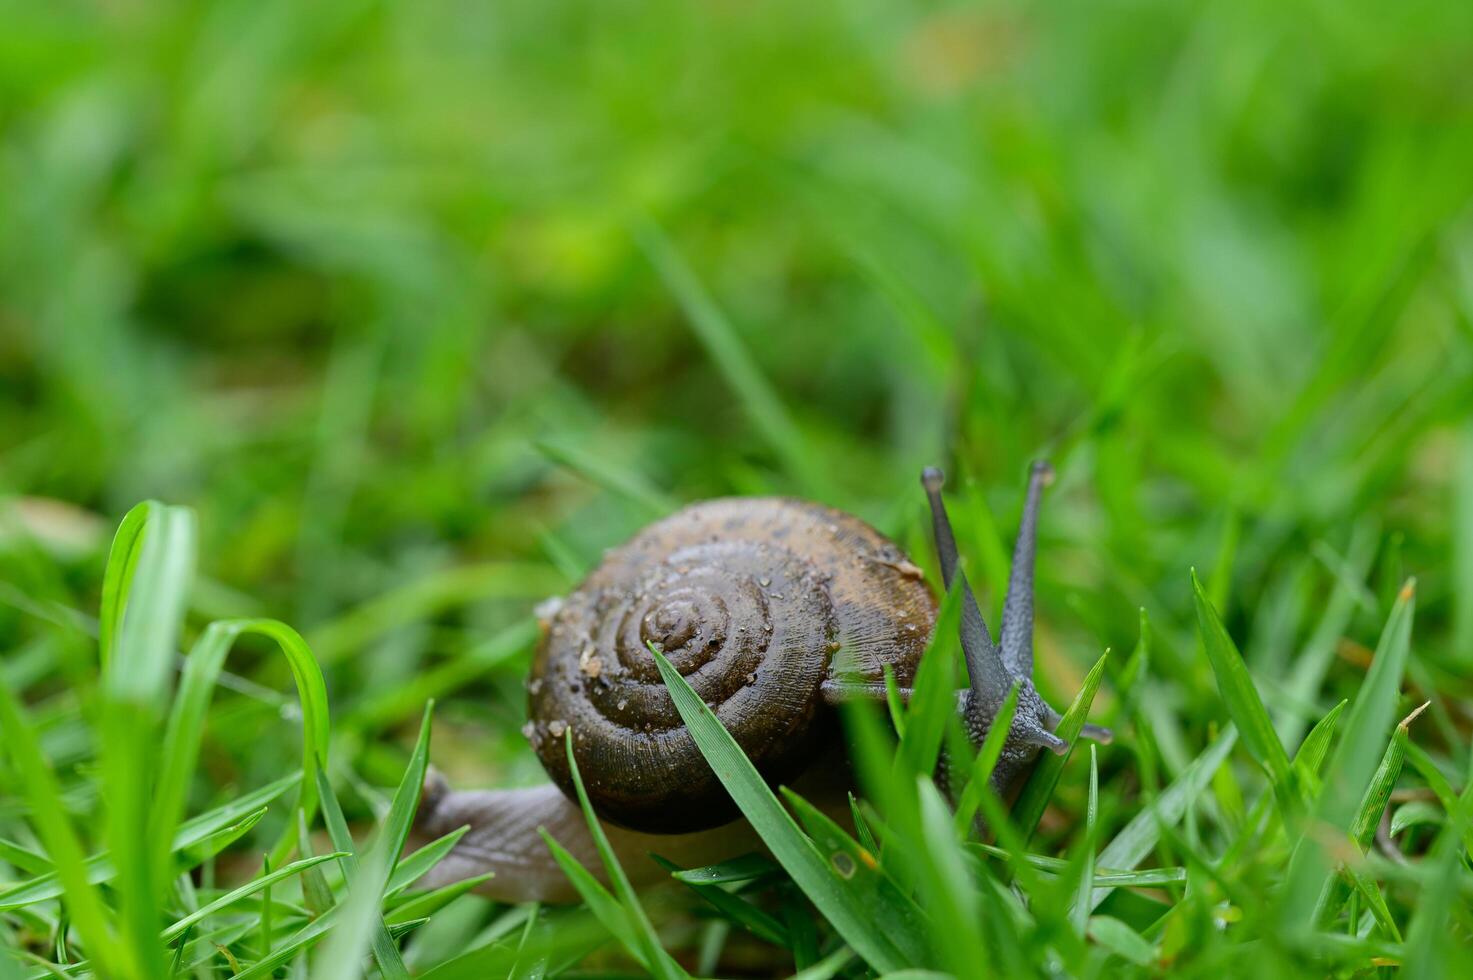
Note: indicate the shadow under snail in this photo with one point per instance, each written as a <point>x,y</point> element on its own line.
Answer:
<point>774,610</point>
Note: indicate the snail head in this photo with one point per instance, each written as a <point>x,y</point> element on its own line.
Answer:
<point>993,668</point>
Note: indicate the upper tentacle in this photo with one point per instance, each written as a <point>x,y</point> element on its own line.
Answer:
<point>988,676</point>
<point>1017,614</point>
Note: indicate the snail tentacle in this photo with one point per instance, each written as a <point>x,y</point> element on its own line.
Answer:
<point>986,672</point>
<point>1016,632</point>
<point>993,672</point>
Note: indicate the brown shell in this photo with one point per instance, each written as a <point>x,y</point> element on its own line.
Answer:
<point>752,599</point>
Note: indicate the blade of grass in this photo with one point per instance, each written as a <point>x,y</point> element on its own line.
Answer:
<point>364,923</point>
<point>659,961</point>
<point>202,671</point>
<point>1143,878</point>
<point>1139,837</point>
<point>99,868</point>
<point>618,478</point>
<point>1122,940</point>
<point>54,829</point>
<point>952,901</point>
<point>733,908</point>
<point>604,906</point>
<point>1032,801</point>
<point>986,762</point>
<point>1244,705</point>
<point>426,904</point>
<point>892,910</point>
<point>735,362</point>
<point>416,865</point>
<point>748,867</point>
<point>1087,875</point>
<point>244,891</point>
<point>792,850</point>
<point>1352,765</point>
<point>146,611</point>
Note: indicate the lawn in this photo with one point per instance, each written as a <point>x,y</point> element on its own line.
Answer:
<point>336,337</point>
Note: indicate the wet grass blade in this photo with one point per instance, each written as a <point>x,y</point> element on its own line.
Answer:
<point>145,599</point>
<point>795,852</point>
<point>53,827</point>
<point>891,909</point>
<point>1032,801</point>
<point>1139,837</point>
<point>657,960</point>
<point>1244,705</point>
<point>735,362</point>
<point>244,891</point>
<point>187,840</point>
<point>1087,873</point>
<point>416,865</point>
<point>1367,728</point>
<point>604,906</point>
<point>363,923</point>
<point>202,671</point>
<point>733,908</point>
<point>617,478</point>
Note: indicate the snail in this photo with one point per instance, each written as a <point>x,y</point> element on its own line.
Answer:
<point>774,610</point>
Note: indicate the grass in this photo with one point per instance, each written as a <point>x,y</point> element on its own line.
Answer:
<point>409,312</point>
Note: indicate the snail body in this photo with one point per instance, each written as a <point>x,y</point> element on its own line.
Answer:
<point>773,610</point>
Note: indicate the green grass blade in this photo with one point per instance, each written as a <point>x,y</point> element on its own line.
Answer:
<point>1383,781</point>
<point>1244,705</point>
<point>1352,765</point>
<point>772,823</point>
<point>1032,801</point>
<point>733,908</point>
<point>618,478</point>
<point>244,891</point>
<point>953,903</point>
<point>1139,837</point>
<point>117,577</point>
<point>364,922</point>
<point>186,721</point>
<point>417,865</point>
<point>1311,753</point>
<point>54,828</point>
<point>188,839</point>
<point>425,904</point>
<point>23,858</point>
<point>1087,874</point>
<point>986,762</point>
<point>735,362</point>
<point>147,599</point>
<point>1428,935</point>
<point>604,906</point>
<point>658,961</point>
<point>891,909</point>
<point>1142,878</point>
<point>1121,940</point>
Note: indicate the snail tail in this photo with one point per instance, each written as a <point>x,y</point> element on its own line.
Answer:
<point>503,840</point>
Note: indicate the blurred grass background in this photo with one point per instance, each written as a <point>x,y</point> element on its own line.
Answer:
<point>422,306</point>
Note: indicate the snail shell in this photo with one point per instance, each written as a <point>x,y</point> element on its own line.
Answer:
<point>756,601</point>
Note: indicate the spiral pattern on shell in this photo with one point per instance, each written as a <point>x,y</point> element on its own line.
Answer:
<point>749,599</point>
